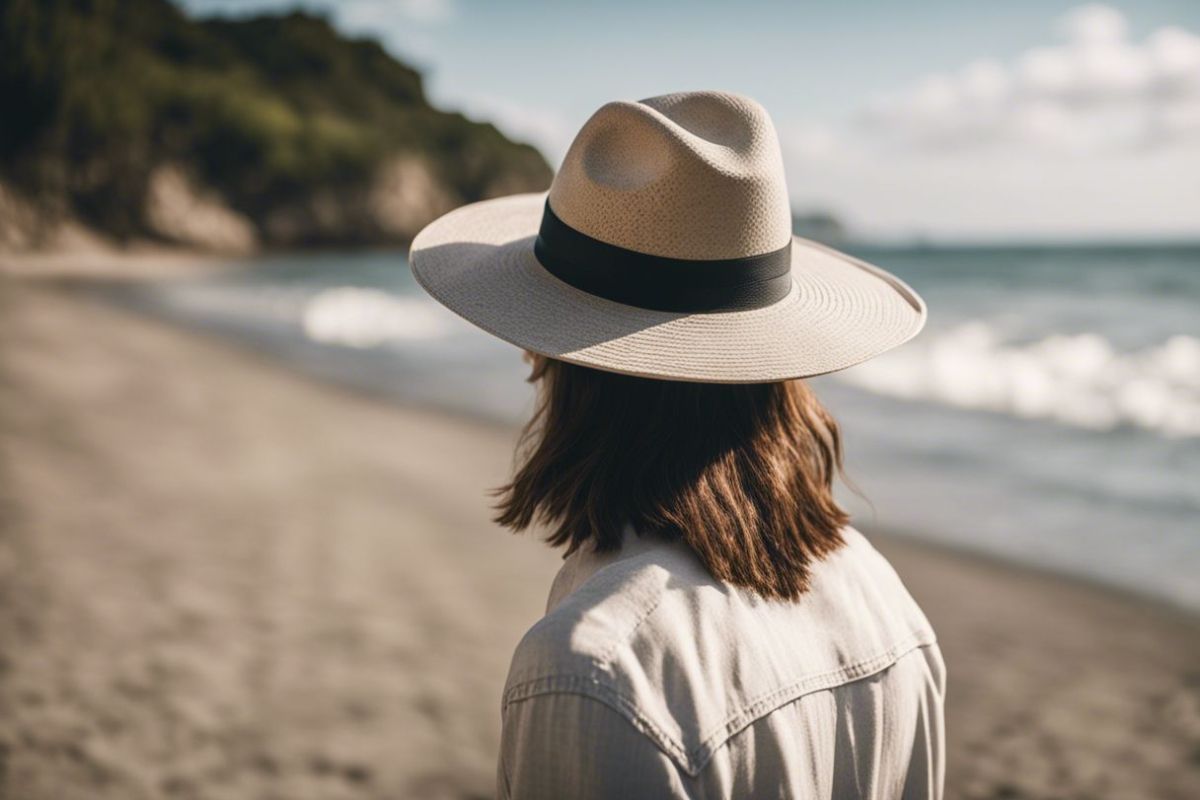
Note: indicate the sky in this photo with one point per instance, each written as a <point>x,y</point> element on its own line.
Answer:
<point>945,119</point>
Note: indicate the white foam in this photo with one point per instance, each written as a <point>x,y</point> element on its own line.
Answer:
<point>355,317</point>
<point>1078,379</point>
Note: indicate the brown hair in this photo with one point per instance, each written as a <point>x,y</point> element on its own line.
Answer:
<point>742,473</point>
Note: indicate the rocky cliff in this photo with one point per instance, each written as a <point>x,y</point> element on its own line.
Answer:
<point>134,120</point>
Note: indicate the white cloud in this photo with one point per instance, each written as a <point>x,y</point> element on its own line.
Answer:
<point>1094,23</point>
<point>811,142</point>
<point>1095,136</point>
<point>992,194</point>
<point>1095,92</point>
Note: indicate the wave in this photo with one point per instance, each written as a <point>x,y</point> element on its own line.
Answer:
<point>1073,379</point>
<point>355,317</point>
<point>1079,379</point>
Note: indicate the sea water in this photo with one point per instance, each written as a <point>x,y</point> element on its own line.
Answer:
<point>1049,413</point>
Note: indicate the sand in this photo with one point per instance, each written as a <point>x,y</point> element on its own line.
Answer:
<point>88,257</point>
<point>222,580</point>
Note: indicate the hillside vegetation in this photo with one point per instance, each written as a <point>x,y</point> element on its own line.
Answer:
<point>139,121</point>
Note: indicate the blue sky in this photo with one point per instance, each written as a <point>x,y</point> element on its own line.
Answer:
<point>958,120</point>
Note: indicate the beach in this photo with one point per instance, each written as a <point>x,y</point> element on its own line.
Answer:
<point>222,579</point>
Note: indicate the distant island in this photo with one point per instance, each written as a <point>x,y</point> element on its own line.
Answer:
<point>820,226</point>
<point>133,120</point>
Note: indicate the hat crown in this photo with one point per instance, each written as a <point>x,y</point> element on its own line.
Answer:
<point>692,175</point>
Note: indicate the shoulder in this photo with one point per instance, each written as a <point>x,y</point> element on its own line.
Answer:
<point>592,644</point>
<point>571,745</point>
<point>689,661</point>
<point>577,645</point>
<point>648,596</point>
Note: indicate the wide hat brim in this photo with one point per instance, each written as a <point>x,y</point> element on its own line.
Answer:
<point>478,261</point>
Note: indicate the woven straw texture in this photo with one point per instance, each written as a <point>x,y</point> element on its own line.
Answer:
<point>692,176</point>
<point>696,175</point>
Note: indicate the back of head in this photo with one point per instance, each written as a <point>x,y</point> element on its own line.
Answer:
<point>740,472</point>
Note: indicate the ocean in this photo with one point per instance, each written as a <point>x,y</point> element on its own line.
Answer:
<point>1049,414</point>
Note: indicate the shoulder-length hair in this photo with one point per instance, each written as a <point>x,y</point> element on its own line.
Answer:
<point>742,473</point>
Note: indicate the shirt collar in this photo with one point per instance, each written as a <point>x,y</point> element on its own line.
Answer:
<point>585,562</point>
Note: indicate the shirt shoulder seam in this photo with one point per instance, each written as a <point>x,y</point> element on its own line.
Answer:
<point>770,701</point>
<point>594,686</point>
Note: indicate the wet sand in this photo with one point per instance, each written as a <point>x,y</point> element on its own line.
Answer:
<point>222,580</point>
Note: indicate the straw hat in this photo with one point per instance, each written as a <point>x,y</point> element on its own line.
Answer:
<point>664,249</point>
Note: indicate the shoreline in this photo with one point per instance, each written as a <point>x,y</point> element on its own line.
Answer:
<point>84,285</point>
<point>1131,594</point>
<point>1153,604</point>
<point>331,612</point>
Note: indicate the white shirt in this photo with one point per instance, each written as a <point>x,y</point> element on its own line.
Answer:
<point>649,678</point>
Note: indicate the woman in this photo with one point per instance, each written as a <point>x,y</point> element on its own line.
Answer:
<point>716,630</point>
